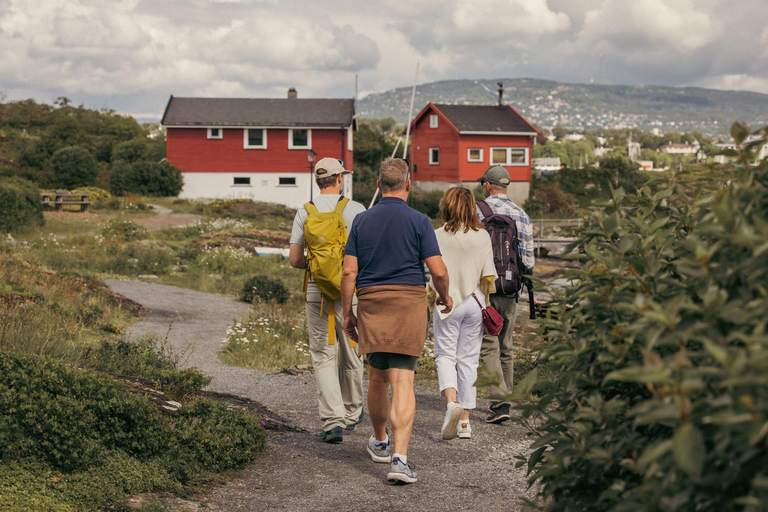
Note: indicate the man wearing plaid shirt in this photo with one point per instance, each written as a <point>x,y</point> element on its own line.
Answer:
<point>496,351</point>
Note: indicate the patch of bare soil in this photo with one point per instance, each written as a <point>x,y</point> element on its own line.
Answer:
<point>250,240</point>
<point>166,220</point>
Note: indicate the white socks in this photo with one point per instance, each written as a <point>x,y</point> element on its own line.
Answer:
<point>403,458</point>
<point>380,443</point>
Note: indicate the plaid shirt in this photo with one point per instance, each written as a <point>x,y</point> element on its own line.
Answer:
<point>501,205</point>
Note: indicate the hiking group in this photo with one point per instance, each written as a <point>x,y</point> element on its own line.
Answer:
<point>367,295</point>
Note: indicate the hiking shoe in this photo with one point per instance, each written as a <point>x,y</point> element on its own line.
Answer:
<point>378,452</point>
<point>499,414</point>
<point>359,420</point>
<point>400,473</point>
<point>333,436</point>
<point>451,423</point>
<point>465,430</point>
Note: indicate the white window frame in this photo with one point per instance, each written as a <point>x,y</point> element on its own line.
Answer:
<point>469,155</point>
<point>431,160</point>
<point>263,139</point>
<point>211,136</point>
<point>508,160</point>
<point>433,122</point>
<point>294,184</point>
<point>249,184</point>
<point>291,145</point>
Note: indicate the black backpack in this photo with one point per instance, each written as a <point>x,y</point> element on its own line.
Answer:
<point>506,255</point>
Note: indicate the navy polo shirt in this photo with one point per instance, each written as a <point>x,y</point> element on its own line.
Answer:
<point>390,241</point>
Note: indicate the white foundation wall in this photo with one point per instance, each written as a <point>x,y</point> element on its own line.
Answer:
<point>517,191</point>
<point>265,186</point>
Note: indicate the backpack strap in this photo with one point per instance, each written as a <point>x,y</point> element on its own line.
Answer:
<point>341,204</point>
<point>485,209</point>
<point>311,208</point>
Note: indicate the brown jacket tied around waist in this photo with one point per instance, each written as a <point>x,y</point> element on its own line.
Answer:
<point>392,318</point>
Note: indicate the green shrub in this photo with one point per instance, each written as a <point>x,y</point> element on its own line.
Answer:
<point>427,203</point>
<point>148,358</point>
<point>657,398</point>
<point>265,289</point>
<point>147,178</point>
<point>20,204</point>
<point>74,167</point>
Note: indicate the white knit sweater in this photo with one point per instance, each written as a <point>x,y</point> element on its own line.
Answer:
<point>469,258</point>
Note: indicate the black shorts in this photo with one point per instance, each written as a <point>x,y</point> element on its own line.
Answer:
<point>386,360</point>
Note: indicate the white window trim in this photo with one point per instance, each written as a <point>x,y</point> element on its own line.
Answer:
<point>295,182</point>
<point>309,139</point>
<point>509,157</point>
<point>221,133</point>
<point>433,122</point>
<point>245,139</point>
<point>433,162</point>
<point>470,159</point>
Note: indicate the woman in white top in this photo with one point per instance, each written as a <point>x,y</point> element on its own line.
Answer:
<point>468,255</point>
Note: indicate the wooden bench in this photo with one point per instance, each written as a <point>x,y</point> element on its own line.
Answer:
<point>61,198</point>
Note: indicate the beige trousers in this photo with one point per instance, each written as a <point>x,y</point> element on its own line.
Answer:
<point>496,351</point>
<point>338,368</point>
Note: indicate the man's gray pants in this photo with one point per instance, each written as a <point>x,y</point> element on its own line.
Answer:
<point>496,351</point>
<point>338,368</point>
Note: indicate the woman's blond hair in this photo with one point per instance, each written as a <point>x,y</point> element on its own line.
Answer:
<point>459,210</point>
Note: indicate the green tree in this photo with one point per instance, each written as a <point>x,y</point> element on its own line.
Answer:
<point>558,132</point>
<point>20,204</point>
<point>145,178</point>
<point>74,167</point>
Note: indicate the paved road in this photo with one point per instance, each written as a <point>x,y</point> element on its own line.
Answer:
<point>298,473</point>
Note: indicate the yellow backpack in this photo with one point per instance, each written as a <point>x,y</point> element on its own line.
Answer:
<point>325,237</point>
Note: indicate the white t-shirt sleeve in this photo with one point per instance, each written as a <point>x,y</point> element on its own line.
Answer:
<point>297,231</point>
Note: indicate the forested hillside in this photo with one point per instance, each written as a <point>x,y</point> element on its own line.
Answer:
<point>63,146</point>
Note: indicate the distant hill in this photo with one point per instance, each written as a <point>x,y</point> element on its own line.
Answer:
<point>547,103</point>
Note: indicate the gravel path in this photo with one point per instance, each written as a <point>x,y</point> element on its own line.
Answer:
<point>298,473</point>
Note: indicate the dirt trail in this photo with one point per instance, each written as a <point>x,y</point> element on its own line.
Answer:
<point>298,473</point>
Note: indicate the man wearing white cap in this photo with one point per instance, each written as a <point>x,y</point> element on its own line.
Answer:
<point>338,368</point>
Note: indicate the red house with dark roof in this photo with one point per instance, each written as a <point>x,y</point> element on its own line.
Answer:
<point>257,148</point>
<point>455,144</point>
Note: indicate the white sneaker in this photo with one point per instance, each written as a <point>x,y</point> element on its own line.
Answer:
<point>465,430</point>
<point>451,424</point>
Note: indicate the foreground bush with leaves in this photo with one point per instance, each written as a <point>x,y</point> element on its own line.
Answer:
<point>96,442</point>
<point>658,394</point>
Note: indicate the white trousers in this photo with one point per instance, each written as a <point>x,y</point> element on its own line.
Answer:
<point>457,348</point>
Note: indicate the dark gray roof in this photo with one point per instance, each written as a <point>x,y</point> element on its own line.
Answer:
<point>258,112</point>
<point>479,118</point>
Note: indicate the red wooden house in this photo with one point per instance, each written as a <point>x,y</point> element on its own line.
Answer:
<point>455,144</point>
<point>258,149</point>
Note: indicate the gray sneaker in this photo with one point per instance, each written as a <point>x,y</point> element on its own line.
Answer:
<point>378,452</point>
<point>400,473</point>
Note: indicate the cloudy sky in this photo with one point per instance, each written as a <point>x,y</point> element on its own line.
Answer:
<point>131,55</point>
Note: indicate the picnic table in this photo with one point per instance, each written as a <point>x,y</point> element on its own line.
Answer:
<point>60,198</point>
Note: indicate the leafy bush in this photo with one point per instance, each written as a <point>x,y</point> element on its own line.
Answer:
<point>264,288</point>
<point>145,178</point>
<point>657,399</point>
<point>20,204</point>
<point>427,203</point>
<point>550,199</point>
<point>74,167</point>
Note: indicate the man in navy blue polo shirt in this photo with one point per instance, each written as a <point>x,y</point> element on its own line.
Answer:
<point>384,259</point>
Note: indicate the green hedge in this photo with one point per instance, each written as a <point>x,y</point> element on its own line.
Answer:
<point>657,397</point>
<point>20,204</point>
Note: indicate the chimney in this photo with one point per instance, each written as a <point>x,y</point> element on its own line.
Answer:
<point>292,94</point>
<point>501,93</point>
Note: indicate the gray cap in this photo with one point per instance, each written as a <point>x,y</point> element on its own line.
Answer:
<point>496,175</point>
<point>329,167</point>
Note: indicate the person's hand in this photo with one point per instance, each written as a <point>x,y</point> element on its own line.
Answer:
<point>350,327</point>
<point>447,302</point>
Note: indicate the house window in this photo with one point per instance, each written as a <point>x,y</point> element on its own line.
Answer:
<point>255,138</point>
<point>287,181</point>
<point>242,181</point>
<point>433,120</point>
<point>434,156</point>
<point>474,155</point>
<point>215,133</point>
<point>299,139</point>
<point>509,156</point>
